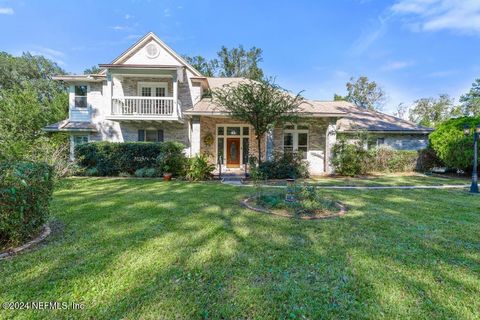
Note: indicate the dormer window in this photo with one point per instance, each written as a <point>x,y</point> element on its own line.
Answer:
<point>81,96</point>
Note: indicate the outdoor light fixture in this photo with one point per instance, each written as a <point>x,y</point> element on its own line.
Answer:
<point>476,134</point>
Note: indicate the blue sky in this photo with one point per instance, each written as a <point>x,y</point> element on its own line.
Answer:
<point>413,48</point>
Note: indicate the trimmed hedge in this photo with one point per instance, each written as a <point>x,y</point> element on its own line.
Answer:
<point>385,159</point>
<point>281,166</point>
<point>111,158</point>
<point>25,192</point>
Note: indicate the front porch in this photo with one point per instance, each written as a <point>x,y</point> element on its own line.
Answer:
<point>232,142</point>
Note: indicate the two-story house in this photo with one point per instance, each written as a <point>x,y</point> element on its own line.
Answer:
<point>150,93</point>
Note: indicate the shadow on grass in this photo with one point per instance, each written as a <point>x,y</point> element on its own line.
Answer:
<point>142,248</point>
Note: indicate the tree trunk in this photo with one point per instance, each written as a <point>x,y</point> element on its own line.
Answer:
<point>259,144</point>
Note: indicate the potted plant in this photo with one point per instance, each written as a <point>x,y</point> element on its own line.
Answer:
<point>167,175</point>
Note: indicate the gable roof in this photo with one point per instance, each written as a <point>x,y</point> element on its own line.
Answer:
<point>140,43</point>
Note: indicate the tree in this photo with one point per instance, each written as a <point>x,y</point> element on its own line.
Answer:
<point>206,67</point>
<point>451,145</point>
<point>401,111</point>
<point>337,97</point>
<point>92,70</point>
<point>262,104</point>
<point>430,112</point>
<point>236,62</point>
<point>364,93</point>
<point>470,102</point>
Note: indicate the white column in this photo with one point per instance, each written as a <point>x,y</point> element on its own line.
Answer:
<point>175,95</point>
<point>108,94</point>
<point>195,136</point>
<point>330,140</point>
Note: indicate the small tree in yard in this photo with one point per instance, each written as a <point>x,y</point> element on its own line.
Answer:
<point>262,104</point>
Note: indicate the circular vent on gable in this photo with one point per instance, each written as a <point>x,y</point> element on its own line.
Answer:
<point>152,50</point>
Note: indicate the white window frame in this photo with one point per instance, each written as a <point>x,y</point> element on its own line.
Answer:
<point>72,143</point>
<point>226,135</point>
<point>152,86</point>
<point>295,133</point>
<point>73,96</point>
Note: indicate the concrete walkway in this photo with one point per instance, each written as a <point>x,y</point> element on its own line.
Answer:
<point>237,182</point>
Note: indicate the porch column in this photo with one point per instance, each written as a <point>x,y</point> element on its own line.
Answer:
<point>330,140</point>
<point>195,135</point>
<point>269,146</point>
<point>176,112</point>
<point>108,93</point>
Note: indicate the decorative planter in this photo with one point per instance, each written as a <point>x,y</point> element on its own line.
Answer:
<point>167,176</point>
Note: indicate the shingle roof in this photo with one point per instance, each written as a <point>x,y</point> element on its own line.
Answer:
<point>219,82</point>
<point>351,117</point>
<point>66,125</point>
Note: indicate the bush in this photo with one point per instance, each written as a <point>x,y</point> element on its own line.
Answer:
<point>387,159</point>
<point>145,173</point>
<point>110,158</point>
<point>428,159</point>
<point>283,166</point>
<point>199,168</point>
<point>349,159</point>
<point>25,193</point>
<point>450,144</point>
<point>171,159</point>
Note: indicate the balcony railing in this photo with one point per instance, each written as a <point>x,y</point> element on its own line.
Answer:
<point>145,106</point>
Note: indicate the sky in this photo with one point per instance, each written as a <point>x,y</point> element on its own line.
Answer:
<point>412,48</point>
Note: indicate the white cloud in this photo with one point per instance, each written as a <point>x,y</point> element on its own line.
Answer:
<point>127,16</point>
<point>51,52</point>
<point>166,13</point>
<point>7,11</point>
<point>369,36</point>
<point>396,65</point>
<point>433,15</point>
<point>119,28</point>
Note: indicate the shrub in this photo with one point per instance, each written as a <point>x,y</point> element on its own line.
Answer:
<point>199,168</point>
<point>25,193</point>
<point>124,174</point>
<point>145,173</point>
<point>450,144</point>
<point>91,172</point>
<point>349,158</point>
<point>283,166</point>
<point>428,159</point>
<point>387,159</point>
<point>110,158</point>
<point>171,159</point>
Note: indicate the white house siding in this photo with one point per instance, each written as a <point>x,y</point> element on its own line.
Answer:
<point>317,140</point>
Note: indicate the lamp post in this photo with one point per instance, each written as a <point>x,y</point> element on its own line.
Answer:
<point>476,133</point>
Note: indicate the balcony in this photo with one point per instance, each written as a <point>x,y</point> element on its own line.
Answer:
<point>145,108</point>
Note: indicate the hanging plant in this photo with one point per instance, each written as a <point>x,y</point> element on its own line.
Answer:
<point>208,139</point>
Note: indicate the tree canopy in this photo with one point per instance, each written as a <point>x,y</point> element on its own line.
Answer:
<point>29,100</point>
<point>470,102</point>
<point>92,70</point>
<point>235,62</point>
<point>430,112</point>
<point>262,104</point>
<point>364,93</point>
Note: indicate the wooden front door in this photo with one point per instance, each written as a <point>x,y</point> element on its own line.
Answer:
<point>233,152</point>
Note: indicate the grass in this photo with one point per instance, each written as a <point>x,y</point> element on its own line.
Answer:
<point>139,248</point>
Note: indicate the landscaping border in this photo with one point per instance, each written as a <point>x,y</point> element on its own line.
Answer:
<point>343,210</point>
<point>10,252</point>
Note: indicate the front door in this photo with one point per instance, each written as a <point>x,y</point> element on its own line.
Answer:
<point>233,152</point>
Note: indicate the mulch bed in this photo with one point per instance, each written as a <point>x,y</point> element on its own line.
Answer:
<point>249,203</point>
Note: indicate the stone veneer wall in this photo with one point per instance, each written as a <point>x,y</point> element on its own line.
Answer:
<point>397,141</point>
<point>208,125</point>
<point>171,131</point>
<point>317,129</point>
<point>130,84</point>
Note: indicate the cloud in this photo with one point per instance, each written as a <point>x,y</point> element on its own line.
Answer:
<point>369,36</point>
<point>442,73</point>
<point>166,12</point>
<point>7,11</point>
<point>128,16</point>
<point>120,28</point>
<point>396,65</point>
<point>133,36</point>
<point>51,52</point>
<point>433,15</point>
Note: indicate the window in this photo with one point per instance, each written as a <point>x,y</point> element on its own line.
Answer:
<point>81,96</point>
<point>380,141</point>
<point>78,140</point>
<point>150,135</point>
<point>295,139</point>
<point>220,150</point>
<point>233,131</point>
<point>152,89</point>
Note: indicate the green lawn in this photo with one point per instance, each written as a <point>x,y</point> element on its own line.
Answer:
<point>133,248</point>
